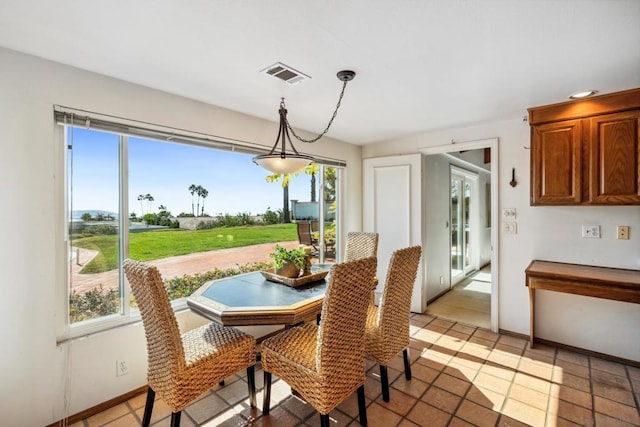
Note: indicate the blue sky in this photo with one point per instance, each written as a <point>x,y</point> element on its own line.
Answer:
<point>166,170</point>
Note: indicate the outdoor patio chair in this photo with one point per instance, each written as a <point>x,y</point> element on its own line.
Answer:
<point>387,331</point>
<point>183,367</point>
<point>325,363</point>
<point>305,236</point>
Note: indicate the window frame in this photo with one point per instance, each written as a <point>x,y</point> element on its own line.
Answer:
<point>124,128</point>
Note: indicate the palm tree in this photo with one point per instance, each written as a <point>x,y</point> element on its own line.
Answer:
<point>311,170</point>
<point>149,198</point>
<point>142,198</point>
<point>192,190</point>
<point>203,193</point>
<point>199,193</point>
<point>285,178</point>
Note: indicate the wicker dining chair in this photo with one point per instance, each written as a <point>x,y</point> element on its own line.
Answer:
<point>387,331</point>
<point>183,367</point>
<point>325,363</point>
<point>360,245</point>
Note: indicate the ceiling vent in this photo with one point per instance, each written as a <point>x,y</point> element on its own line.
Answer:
<point>285,73</point>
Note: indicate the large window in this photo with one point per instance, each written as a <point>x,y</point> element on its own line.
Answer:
<point>170,204</point>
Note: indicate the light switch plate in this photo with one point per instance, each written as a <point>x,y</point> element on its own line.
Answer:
<point>591,231</point>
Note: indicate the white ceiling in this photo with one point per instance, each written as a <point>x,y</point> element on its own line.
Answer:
<point>421,64</point>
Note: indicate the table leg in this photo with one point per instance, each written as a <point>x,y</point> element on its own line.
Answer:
<point>532,315</point>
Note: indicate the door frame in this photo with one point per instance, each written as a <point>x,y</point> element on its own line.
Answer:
<point>491,143</point>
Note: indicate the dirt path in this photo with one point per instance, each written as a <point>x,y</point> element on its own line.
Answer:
<point>171,267</point>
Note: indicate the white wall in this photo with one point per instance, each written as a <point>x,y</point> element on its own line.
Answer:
<point>549,233</point>
<point>37,373</point>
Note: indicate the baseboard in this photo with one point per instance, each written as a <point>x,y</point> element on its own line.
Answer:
<point>99,408</point>
<point>586,352</point>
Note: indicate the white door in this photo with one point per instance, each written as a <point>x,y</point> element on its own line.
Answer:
<point>392,206</point>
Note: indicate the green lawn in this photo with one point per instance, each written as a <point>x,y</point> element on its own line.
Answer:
<point>165,243</point>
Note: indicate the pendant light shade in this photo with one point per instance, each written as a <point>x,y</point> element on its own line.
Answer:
<point>283,162</point>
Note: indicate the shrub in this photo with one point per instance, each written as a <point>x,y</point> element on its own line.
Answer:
<point>271,217</point>
<point>93,303</point>
<point>100,229</point>
<point>101,302</point>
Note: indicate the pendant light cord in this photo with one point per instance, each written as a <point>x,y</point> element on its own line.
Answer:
<point>344,85</point>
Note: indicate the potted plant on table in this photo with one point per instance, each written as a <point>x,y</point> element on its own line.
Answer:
<point>288,262</point>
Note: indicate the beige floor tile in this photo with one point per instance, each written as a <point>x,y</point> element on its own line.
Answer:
<point>423,373</point>
<point>406,423</point>
<point>302,409</point>
<point>428,416</point>
<point>506,421</point>
<point>536,369</point>
<point>573,368</point>
<point>477,414</point>
<point>125,421</point>
<point>608,366</point>
<point>530,397</point>
<point>613,409</point>
<point>485,397</point>
<point>442,399</point>
<point>570,380</point>
<point>613,393</point>
<point>452,384</point>
<point>607,421</point>
<point>524,413</point>
<point>399,402</point>
<point>505,359</point>
<point>378,415</point>
<point>492,383</point>
<point>108,415</point>
<point>206,408</point>
<point>581,398</point>
<point>572,412</point>
<point>498,370</point>
<point>279,417</point>
<point>572,357</point>
<point>464,376</point>
<point>533,383</point>
<point>457,422</point>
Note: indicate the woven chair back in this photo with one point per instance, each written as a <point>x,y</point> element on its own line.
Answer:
<point>361,245</point>
<point>340,344</point>
<point>164,344</point>
<point>395,304</point>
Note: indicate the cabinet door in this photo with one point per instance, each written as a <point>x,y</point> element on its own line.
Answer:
<point>556,163</point>
<point>614,163</point>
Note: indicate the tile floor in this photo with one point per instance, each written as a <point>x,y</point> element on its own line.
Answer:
<point>462,376</point>
<point>468,302</point>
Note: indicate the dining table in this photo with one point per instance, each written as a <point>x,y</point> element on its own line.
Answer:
<point>252,299</point>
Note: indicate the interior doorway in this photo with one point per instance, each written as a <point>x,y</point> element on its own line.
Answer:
<point>461,254</point>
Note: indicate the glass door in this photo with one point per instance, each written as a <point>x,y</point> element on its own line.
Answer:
<point>463,226</point>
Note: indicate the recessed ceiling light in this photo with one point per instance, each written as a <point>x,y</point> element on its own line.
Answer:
<point>585,94</point>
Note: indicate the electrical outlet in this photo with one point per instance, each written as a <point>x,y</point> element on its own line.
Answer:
<point>591,231</point>
<point>121,368</point>
<point>623,232</point>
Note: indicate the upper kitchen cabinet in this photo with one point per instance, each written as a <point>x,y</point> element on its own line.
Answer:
<point>587,152</point>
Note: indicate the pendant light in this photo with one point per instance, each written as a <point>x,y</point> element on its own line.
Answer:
<point>283,162</point>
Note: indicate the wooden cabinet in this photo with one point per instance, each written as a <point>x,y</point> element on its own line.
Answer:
<point>587,152</point>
